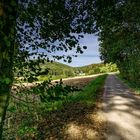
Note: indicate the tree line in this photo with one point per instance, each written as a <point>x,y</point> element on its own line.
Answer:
<point>119,24</point>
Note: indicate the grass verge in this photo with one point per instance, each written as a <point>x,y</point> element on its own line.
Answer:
<point>134,87</point>
<point>89,94</point>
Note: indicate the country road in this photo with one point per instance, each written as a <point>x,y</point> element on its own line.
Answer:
<point>121,110</point>
<point>64,79</point>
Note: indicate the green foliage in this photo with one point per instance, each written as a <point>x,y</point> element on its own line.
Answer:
<point>56,71</point>
<point>89,94</point>
<point>109,67</point>
<point>53,92</point>
<point>24,130</point>
<point>6,81</point>
<point>119,22</point>
<point>35,30</point>
<point>97,68</point>
<point>46,27</point>
<point>135,87</point>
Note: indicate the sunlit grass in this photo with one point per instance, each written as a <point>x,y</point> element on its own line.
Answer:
<point>89,94</point>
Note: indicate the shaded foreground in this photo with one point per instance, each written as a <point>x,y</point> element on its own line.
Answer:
<point>122,111</point>
<point>78,120</point>
<point>74,122</point>
<point>75,118</point>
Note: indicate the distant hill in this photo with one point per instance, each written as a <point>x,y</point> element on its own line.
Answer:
<point>55,65</point>
<point>89,67</point>
<point>58,70</point>
<point>98,68</point>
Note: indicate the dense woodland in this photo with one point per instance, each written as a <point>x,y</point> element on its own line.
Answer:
<point>30,33</point>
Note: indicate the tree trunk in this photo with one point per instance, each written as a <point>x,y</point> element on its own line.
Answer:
<point>7,35</point>
<point>4,100</point>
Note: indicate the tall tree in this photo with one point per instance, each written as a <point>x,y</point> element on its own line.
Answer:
<point>7,37</point>
<point>119,25</point>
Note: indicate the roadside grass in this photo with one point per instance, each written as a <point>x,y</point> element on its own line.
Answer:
<point>131,85</point>
<point>89,94</point>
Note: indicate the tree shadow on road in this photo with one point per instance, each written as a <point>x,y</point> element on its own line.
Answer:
<point>122,109</point>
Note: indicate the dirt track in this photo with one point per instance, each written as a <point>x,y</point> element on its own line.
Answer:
<point>121,110</point>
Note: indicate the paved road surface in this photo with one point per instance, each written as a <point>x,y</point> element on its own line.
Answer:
<point>121,110</point>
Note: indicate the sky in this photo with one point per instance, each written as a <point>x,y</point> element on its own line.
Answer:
<point>91,54</point>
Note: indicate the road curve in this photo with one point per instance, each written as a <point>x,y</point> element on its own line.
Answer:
<point>121,110</point>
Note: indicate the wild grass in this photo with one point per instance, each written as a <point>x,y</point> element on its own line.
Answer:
<point>89,94</point>
<point>135,87</point>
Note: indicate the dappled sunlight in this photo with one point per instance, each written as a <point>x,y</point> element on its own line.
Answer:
<point>74,122</point>
<point>75,131</point>
<point>92,127</point>
<point>95,118</point>
<point>121,111</point>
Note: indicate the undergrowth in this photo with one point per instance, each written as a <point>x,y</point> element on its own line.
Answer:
<point>23,118</point>
<point>135,87</point>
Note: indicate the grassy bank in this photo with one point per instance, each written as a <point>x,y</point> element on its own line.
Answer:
<point>89,94</point>
<point>133,86</point>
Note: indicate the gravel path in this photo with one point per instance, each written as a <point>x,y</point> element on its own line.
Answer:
<point>121,110</point>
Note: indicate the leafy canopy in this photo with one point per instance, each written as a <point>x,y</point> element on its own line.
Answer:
<point>45,27</point>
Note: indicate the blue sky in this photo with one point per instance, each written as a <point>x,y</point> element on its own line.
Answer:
<point>90,55</point>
